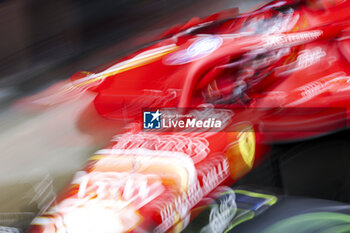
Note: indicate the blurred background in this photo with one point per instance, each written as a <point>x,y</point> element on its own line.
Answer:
<point>38,36</point>
<point>45,41</point>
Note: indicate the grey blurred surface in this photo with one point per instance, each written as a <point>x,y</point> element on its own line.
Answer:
<point>286,208</point>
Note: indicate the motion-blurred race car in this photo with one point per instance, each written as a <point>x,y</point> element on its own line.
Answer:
<point>279,73</point>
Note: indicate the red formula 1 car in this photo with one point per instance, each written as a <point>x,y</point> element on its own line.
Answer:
<point>285,55</point>
<point>281,71</point>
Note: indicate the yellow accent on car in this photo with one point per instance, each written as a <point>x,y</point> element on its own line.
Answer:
<point>241,152</point>
<point>246,145</point>
<point>128,66</point>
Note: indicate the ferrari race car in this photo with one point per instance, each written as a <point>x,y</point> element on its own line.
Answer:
<point>200,103</point>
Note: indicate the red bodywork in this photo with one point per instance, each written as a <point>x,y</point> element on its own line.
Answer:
<point>283,68</point>
<point>283,55</point>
